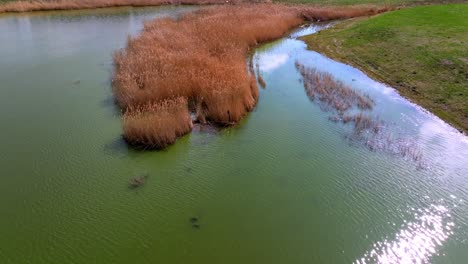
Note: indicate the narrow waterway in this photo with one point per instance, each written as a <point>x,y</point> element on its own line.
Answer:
<point>288,185</point>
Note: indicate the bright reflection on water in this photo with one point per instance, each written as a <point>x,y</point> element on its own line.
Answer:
<point>416,241</point>
<point>270,62</point>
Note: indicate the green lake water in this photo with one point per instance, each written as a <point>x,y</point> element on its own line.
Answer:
<point>285,186</point>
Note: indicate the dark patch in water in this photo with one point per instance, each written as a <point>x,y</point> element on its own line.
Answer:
<point>195,222</point>
<point>110,103</point>
<point>116,147</point>
<point>138,181</point>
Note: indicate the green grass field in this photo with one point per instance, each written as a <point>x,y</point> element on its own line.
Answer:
<point>420,51</point>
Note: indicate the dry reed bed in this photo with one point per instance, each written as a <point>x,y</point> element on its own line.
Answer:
<point>47,5</point>
<point>350,106</point>
<point>146,123</point>
<point>200,57</point>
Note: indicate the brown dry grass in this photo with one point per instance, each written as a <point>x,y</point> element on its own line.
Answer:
<point>201,57</point>
<point>157,125</point>
<point>45,5</point>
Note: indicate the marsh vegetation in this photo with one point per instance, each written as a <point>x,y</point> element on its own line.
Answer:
<point>348,106</point>
<point>44,5</point>
<point>419,51</point>
<point>196,66</point>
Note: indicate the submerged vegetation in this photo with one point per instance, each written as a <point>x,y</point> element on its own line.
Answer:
<point>195,66</point>
<point>332,93</point>
<point>351,107</point>
<point>138,181</point>
<point>420,51</point>
<point>195,223</point>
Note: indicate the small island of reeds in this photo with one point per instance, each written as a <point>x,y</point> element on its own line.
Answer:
<point>194,68</point>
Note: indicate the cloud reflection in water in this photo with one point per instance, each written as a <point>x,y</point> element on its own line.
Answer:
<point>270,61</point>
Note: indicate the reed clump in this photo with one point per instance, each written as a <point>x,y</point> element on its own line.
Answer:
<point>157,125</point>
<point>200,57</point>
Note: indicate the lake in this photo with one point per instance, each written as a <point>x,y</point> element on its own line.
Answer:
<point>286,185</point>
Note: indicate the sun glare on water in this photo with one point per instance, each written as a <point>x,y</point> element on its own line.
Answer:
<point>417,241</point>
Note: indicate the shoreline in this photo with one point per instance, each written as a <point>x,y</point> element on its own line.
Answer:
<point>199,67</point>
<point>330,44</point>
<point>378,77</point>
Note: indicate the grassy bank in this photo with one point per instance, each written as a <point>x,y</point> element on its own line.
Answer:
<point>373,2</point>
<point>195,66</point>
<point>421,51</point>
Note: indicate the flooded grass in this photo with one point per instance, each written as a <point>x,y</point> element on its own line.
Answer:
<point>331,93</point>
<point>200,58</point>
<point>349,106</point>
<point>194,221</point>
<point>419,51</point>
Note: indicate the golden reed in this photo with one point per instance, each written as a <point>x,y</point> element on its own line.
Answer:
<point>193,69</point>
<point>48,5</point>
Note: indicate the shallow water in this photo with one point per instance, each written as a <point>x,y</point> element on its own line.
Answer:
<point>285,186</point>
